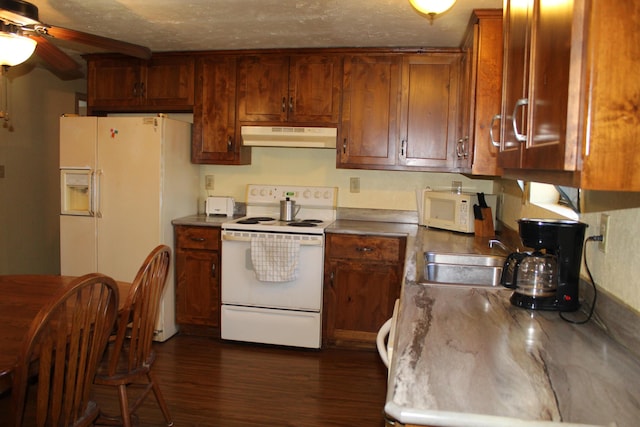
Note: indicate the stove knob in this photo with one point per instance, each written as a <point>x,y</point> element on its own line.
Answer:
<point>316,194</point>
<point>254,192</point>
<point>263,192</point>
<point>327,194</point>
<point>306,194</point>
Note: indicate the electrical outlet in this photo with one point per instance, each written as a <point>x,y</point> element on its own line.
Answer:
<point>354,185</point>
<point>208,182</point>
<point>604,230</point>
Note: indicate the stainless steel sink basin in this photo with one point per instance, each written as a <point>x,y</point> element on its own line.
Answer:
<point>464,259</point>
<point>463,269</point>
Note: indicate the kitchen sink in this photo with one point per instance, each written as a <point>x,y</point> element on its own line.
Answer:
<point>463,269</point>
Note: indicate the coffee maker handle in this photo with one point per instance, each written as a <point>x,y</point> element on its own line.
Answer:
<point>509,277</point>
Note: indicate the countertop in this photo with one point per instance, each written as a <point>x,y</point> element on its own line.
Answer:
<point>464,356</point>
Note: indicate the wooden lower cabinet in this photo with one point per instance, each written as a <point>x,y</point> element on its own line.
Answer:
<point>198,279</point>
<point>362,280</point>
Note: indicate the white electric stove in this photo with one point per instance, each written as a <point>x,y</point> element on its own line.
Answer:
<point>272,270</point>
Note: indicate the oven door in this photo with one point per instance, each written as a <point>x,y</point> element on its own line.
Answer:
<point>241,287</point>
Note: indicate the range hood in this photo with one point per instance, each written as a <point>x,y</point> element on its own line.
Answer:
<point>282,136</point>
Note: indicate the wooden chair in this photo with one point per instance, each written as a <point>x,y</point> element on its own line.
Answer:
<point>130,355</point>
<point>62,350</point>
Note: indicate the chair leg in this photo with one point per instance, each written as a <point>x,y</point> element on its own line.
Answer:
<point>124,405</point>
<point>160,399</point>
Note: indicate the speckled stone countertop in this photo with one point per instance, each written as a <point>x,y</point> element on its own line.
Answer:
<point>465,356</point>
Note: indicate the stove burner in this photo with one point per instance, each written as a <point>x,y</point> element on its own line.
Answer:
<point>302,224</point>
<point>313,221</point>
<point>255,220</point>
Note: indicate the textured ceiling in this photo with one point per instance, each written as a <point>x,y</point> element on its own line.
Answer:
<point>184,25</point>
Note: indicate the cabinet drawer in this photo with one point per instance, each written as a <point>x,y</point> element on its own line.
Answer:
<point>198,238</point>
<point>375,248</point>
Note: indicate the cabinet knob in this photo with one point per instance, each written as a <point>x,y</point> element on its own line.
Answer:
<point>229,143</point>
<point>364,249</point>
<point>197,239</point>
<point>284,104</point>
<point>344,146</point>
<point>213,269</point>
<point>291,104</point>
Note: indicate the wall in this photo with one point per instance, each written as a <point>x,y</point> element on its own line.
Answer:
<point>29,192</point>
<point>302,166</point>
<point>617,271</point>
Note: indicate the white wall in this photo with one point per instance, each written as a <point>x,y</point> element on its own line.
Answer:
<point>29,192</point>
<point>307,166</point>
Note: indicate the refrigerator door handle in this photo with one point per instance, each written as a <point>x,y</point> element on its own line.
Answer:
<point>97,206</point>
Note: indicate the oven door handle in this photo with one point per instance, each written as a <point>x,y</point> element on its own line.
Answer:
<point>305,240</point>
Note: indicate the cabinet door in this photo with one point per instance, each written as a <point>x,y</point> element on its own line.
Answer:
<point>359,298</point>
<point>515,77</point>
<point>114,82</point>
<point>370,111</point>
<point>197,288</point>
<point>548,85</point>
<point>169,81</point>
<point>263,88</point>
<point>214,113</point>
<point>429,110</point>
<point>481,93</point>
<point>315,83</point>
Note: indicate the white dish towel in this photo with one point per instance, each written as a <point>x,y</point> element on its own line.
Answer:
<point>275,259</point>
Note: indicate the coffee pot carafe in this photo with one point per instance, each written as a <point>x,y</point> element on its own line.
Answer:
<point>548,277</point>
<point>531,274</point>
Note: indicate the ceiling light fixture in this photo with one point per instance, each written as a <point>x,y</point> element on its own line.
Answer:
<point>432,7</point>
<point>14,47</point>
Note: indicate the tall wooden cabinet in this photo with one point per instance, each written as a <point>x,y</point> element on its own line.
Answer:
<point>119,83</point>
<point>292,89</point>
<point>215,137</point>
<point>362,280</point>
<point>478,144</point>
<point>573,121</point>
<point>198,279</point>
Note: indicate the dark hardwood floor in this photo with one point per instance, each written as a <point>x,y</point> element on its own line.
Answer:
<point>208,382</point>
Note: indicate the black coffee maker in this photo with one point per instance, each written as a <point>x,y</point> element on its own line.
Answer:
<point>548,277</point>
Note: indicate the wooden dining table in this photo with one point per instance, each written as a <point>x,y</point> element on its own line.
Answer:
<point>21,298</point>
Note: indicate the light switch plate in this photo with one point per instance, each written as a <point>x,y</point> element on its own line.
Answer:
<point>354,185</point>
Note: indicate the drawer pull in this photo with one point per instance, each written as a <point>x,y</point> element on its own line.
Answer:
<point>198,239</point>
<point>364,249</point>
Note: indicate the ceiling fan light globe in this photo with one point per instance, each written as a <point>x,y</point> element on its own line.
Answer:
<point>15,49</point>
<point>432,7</point>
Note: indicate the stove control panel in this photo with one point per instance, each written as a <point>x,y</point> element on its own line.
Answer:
<point>303,195</point>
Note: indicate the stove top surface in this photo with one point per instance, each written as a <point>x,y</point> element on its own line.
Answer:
<point>317,209</point>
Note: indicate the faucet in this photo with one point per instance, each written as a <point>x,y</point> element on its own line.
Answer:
<point>496,242</point>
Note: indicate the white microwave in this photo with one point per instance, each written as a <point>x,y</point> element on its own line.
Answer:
<point>452,211</point>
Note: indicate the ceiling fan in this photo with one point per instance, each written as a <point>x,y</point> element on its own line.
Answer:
<point>20,18</point>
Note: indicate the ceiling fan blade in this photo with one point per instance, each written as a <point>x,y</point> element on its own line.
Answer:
<point>110,45</point>
<point>57,61</point>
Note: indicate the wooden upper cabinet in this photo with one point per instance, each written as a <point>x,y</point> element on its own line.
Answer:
<point>429,110</point>
<point>215,133</point>
<point>399,112</point>
<point>539,54</point>
<point>163,83</point>
<point>479,142</point>
<point>370,130</point>
<point>289,89</point>
<point>570,123</point>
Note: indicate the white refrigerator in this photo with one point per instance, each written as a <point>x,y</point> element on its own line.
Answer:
<point>123,179</point>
